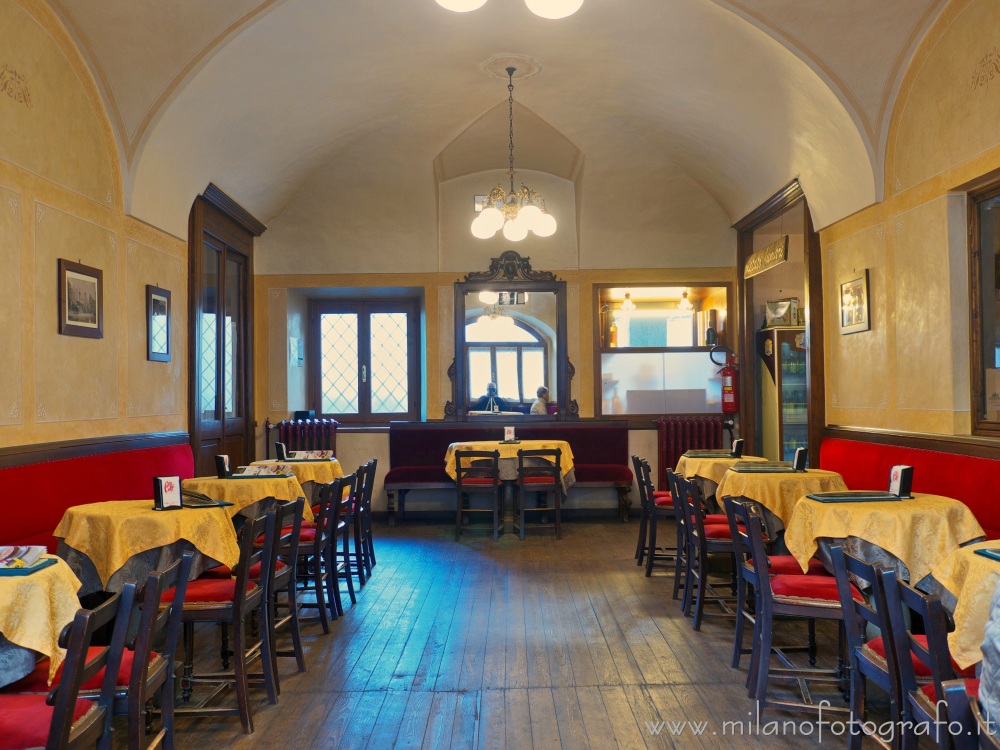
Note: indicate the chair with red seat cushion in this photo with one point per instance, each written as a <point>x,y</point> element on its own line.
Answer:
<point>973,729</point>
<point>229,602</point>
<point>62,720</point>
<point>539,471</point>
<point>343,564</point>
<point>680,524</point>
<point>318,573</point>
<point>477,472</point>
<point>704,543</point>
<point>736,513</point>
<point>794,596</point>
<point>865,664</point>
<point>282,570</point>
<point>363,539</point>
<point>922,708</point>
<point>653,511</point>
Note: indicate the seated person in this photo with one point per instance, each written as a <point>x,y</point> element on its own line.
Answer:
<point>541,405</point>
<point>491,401</point>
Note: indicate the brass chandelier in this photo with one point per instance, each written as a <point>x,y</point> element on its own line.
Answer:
<point>515,212</point>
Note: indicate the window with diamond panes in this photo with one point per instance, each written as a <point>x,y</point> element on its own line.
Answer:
<point>367,360</point>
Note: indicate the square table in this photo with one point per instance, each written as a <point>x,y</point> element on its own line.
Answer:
<point>911,536</point>
<point>34,609</point>
<point>968,581</point>
<point>508,456</point>
<point>109,543</point>
<point>248,493</point>
<point>309,472</point>
<point>779,492</point>
<point>707,472</point>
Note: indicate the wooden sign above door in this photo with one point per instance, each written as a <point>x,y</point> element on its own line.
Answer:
<point>766,258</point>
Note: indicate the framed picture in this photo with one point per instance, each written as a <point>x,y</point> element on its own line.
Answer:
<point>81,300</point>
<point>855,312</point>
<point>157,324</point>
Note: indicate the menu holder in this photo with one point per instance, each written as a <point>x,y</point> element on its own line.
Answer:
<point>167,493</point>
<point>280,451</point>
<point>801,456</point>
<point>992,554</point>
<point>222,467</point>
<point>738,448</point>
<point>763,467</point>
<point>901,480</point>
<point>853,496</point>
<point>28,569</point>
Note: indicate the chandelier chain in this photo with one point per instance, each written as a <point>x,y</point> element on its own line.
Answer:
<point>510,109</point>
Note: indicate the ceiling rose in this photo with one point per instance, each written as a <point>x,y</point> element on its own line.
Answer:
<point>461,6</point>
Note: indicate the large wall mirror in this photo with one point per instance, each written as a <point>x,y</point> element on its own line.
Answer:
<point>510,331</point>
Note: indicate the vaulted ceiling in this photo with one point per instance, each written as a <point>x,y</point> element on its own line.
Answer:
<point>738,95</point>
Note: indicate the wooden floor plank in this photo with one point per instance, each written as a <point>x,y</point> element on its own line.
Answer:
<point>506,644</point>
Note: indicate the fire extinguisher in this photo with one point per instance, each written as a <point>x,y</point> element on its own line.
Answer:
<point>730,381</point>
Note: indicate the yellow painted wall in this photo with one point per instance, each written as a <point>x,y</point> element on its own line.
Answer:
<point>911,371</point>
<point>61,197</point>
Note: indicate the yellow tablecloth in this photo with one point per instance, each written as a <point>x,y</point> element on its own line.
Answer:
<point>779,492</point>
<point>711,469</point>
<point>243,493</point>
<point>921,532</point>
<point>322,472</point>
<point>509,451</point>
<point>971,579</point>
<point>109,533</point>
<point>35,608</point>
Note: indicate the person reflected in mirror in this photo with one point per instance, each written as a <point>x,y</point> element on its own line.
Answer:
<point>491,401</point>
<point>541,405</point>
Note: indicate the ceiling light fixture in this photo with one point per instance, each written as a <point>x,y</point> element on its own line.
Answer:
<point>552,9</point>
<point>517,213</point>
<point>493,314</point>
<point>627,304</point>
<point>685,303</point>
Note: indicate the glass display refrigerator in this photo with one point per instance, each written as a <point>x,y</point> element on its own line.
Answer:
<point>782,414</point>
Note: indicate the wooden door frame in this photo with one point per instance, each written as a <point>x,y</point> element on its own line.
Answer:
<point>217,214</point>
<point>784,199</point>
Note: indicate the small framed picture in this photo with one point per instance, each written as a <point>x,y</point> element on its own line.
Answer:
<point>157,324</point>
<point>167,493</point>
<point>81,300</point>
<point>855,312</point>
<point>508,434</point>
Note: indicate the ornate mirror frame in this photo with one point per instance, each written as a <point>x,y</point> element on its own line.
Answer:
<point>511,272</point>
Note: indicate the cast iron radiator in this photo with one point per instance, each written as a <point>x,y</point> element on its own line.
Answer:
<point>677,433</point>
<point>301,435</point>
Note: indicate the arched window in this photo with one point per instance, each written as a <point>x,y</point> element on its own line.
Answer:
<point>508,352</point>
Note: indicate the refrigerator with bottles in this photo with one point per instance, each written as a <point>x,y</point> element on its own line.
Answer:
<point>782,395</point>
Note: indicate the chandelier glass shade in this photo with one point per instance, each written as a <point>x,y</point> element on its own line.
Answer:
<point>515,212</point>
<point>685,303</point>
<point>493,314</point>
<point>552,9</point>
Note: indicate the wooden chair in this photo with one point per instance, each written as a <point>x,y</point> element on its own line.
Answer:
<point>477,472</point>
<point>539,471</point>
<point>876,659</point>
<point>680,523</point>
<point>746,599</point>
<point>343,564</point>
<point>316,571</point>
<point>807,597</point>
<point>363,518</point>
<point>283,568</point>
<point>230,601</point>
<point>61,719</point>
<point>924,662</point>
<point>656,506</point>
<point>973,731</point>
<point>705,543</point>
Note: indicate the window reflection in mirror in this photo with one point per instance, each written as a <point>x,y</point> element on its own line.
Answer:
<point>653,348</point>
<point>510,340</point>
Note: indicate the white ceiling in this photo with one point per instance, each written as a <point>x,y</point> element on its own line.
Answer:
<point>262,97</point>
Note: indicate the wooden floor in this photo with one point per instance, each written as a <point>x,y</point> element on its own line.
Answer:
<point>533,644</point>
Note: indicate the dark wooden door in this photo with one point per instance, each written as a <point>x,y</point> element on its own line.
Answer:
<point>221,343</point>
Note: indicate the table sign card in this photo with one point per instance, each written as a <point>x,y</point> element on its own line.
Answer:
<point>281,451</point>
<point>801,456</point>
<point>901,480</point>
<point>737,451</point>
<point>508,434</point>
<point>222,468</point>
<point>167,493</point>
